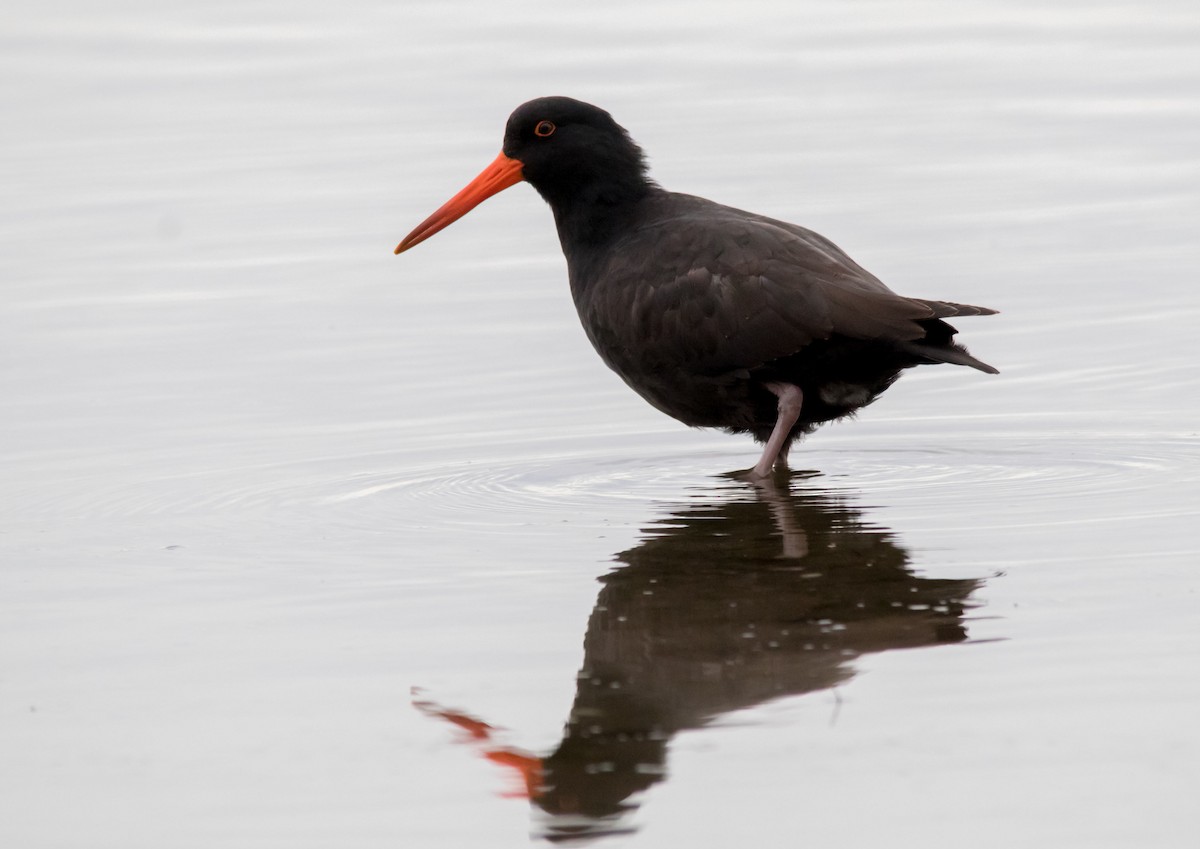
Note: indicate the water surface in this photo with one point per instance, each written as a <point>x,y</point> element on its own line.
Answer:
<point>303,544</point>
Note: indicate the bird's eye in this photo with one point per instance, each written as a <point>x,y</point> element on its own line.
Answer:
<point>544,128</point>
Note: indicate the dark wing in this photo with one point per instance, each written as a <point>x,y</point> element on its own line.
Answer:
<point>725,290</point>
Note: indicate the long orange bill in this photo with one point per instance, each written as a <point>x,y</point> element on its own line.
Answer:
<point>502,173</point>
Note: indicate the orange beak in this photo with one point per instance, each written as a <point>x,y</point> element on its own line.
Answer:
<point>502,173</point>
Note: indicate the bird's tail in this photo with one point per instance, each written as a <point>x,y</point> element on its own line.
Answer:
<point>939,346</point>
<point>953,353</point>
<point>949,309</point>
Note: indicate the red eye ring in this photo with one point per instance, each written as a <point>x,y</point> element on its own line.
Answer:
<point>544,129</point>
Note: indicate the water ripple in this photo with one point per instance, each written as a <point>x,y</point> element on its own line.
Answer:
<point>1037,470</point>
<point>1043,471</point>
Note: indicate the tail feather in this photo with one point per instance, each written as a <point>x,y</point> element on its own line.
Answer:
<point>956,354</point>
<point>938,345</point>
<point>948,309</point>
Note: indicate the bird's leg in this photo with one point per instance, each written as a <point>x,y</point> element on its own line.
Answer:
<point>791,399</point>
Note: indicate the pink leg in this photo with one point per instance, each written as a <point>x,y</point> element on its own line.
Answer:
<point>791,399</point>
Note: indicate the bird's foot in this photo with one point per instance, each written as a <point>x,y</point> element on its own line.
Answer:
<point>758,474</point>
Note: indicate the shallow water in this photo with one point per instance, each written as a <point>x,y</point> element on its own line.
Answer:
<point>304,544</point>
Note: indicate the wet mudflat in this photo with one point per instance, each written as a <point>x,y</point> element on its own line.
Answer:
<point>303,544</point>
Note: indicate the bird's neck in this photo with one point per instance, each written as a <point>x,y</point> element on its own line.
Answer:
<point>590,220</point>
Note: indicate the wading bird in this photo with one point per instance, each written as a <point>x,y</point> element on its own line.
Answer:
<point>716,316</point>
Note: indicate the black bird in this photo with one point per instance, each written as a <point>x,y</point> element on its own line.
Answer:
<point>716,316</point>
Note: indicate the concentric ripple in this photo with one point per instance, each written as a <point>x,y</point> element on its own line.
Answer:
<point>1023,464</point>
<point>1041,475</point>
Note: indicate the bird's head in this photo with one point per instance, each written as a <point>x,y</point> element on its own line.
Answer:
<point>570,151</point>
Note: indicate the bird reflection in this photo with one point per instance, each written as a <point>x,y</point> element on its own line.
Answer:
<point>725,604</point>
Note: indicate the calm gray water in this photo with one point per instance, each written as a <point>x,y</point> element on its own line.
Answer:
<point>304,544</point>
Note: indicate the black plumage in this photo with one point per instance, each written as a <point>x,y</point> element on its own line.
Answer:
<point>716,316</point>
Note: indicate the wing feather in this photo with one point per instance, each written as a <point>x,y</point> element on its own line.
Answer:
<point>718,289</point>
